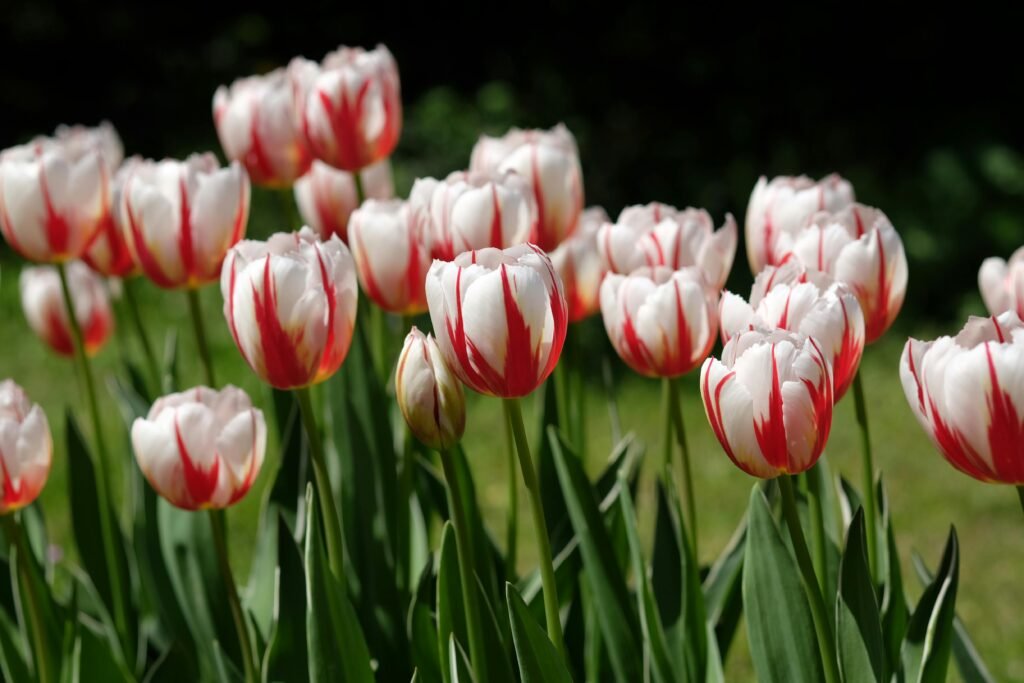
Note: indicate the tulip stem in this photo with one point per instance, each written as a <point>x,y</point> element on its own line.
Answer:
<point>108,523</point>
<point>288,213</point>
<point>196,311</point>
<point>826,642</point>
<point>674,416</point>
<point>324,493</point>
<point>140,331</point>
<point>547,567</point>
<point>869,476</point>
<point>221,546</point>
<point>464,546</point>
<point>40,644</point>
<point>357,178</point>
<point>814,502</point>
<point>1020,493</point>
<point>512,527</point>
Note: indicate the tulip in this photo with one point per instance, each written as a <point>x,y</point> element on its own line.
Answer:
<point>500,317</point>
<point>550,160</point>
<point>429,395</point>
<point>783,206</point>
<point>80,140</point>
<point>1002,284</point>
<point>966,392</point>
<point>391,256</point>
<point>662,322</point>
<point>350,109</point>
<point>26,448</point>
<point>580,266</point>
<point>326,197</point>
<point>109,254</point>
<point>43,303</point>
<point>256,123</point>
<point>183,216</point>
<point>290,303</point>
<point>808,302</point>
<point>661,235</point>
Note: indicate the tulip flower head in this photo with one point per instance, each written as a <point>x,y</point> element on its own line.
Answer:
<point>109,254</point>
<point>256,124</point>
<point>326,197</point>
<point>26,448</point>
<point>183,216</point>
<point>201,448</point>
<point>782,206</point>
<point>769,401</point>
<point>661,235</point>
<point>290,303</point>
<point>809,302</point>
<point>43,303</point>
<point>967,393</point>
<point>500,317</point>
<point>1002,284</point>
<point>429,395</point>
<point>550,161</point>
<point>350,107</point>
<point>662,322</point>
<point>391,255</point>
<point>578,263</point>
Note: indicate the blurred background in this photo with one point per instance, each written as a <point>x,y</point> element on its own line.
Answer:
<point>666,105</point>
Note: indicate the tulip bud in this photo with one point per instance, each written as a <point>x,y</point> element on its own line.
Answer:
<point>859,247</point>
<point>183,216</point>
<point>43,303</point>
<point>26,448</point>
<point>1002,284</point>
<point>350,108</point>
<point>550,161</point>
<point>290,303</point>
<point>431,398</point>
<point>500,317</point>
<point>661,235</point>
<point>808,302</point>
<point>662,322</point>
<point>580,266</point>
<point>966,392</point>
<point>201,448</point>
<point>109,254</point>
<point>256,123</point>
<point>326,197</point>
<point>769,401</point>
<point>391,256</point>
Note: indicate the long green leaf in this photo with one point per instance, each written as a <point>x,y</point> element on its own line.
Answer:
<point>723,589</point>
<point>285,657</point>
<point>895,614</point>
<point>539,662</point>
<point>451,614</point>
<point>858,631</point>
<point>421,628</point>
<point>929,639</point>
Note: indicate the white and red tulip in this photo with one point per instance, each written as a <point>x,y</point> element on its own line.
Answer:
<point>769,401</point>
<point>290,303</point>
<point>43,304</point>
<point>500,318</point>
<point>1002,284</point>
<point>326,197</point>
<point>201,449</point>
<point>578,263</point>
<point>26,448</point>
<point>391,255</point>
<point>429,395</point>
<point>109,253</point>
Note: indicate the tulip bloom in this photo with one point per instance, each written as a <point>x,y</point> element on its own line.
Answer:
<point>350,108</point>
<point>201,449</point>
<point>326,197</point>
<point>579,264</point>
<point>109,254</point>
<point>662,322</point>
<point>391,256</point>
<point>966,392</point>
<point>807,302</point>
<point>256,123</point>
<point>857,246</point>
<point>782,206</point>
<point>183,216</point>
<point>1002,284</point>
<point>43,303</point>
<point>290,303</point>
<point>550,161</point>
<point>429,395</point>
<point>26,448</point>
<point>662,235</point>
<point>769,401</point>
<point>500,317</point>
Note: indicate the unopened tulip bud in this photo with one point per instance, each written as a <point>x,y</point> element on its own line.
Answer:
<point>43,303</point>
<point>391,254</point>
<point>430,396</point>
<point>1002,284</point>
<point>326,196</point>
<point>26,448</point>
<point>578,263</point>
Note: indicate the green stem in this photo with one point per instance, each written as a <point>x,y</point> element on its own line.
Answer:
<point>817,524</point>
<point>686,473</point>
<point>826,642</point>
<point>357,177</point>
<point>40,644</point>
<point>547,566</point>
<point>464,545</point>
<point>289,213</point>
<point>221,546</point>
<point>140,331</point>
<point>512,526</point>
<point>107,522</point>
<point>869,477</point>
<point>196,311</point>
<point>1020,493</point>
<point>332,522</point>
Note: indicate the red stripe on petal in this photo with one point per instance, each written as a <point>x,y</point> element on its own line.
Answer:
<point>1005,431</point>
<point>200,485</point>
<point>771,432</point>
<point>282,366</point>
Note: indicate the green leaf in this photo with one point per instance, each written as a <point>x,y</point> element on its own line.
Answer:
<point>858,631</point>
<point>421,628</point>
<point>539,662</point>
<point>458,662</point>
<point>783,645</point>
<point>451,615</point>
<point>723,589</point>
<point>895,615</point>
<point>715,673</point>
<point>285,657</point>
<point>929,639</point>
<point>13,659</point>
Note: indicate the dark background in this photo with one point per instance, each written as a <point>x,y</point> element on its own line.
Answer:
<point>924,117</point>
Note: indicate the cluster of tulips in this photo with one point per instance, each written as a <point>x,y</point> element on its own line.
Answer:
<point>506,260</point>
